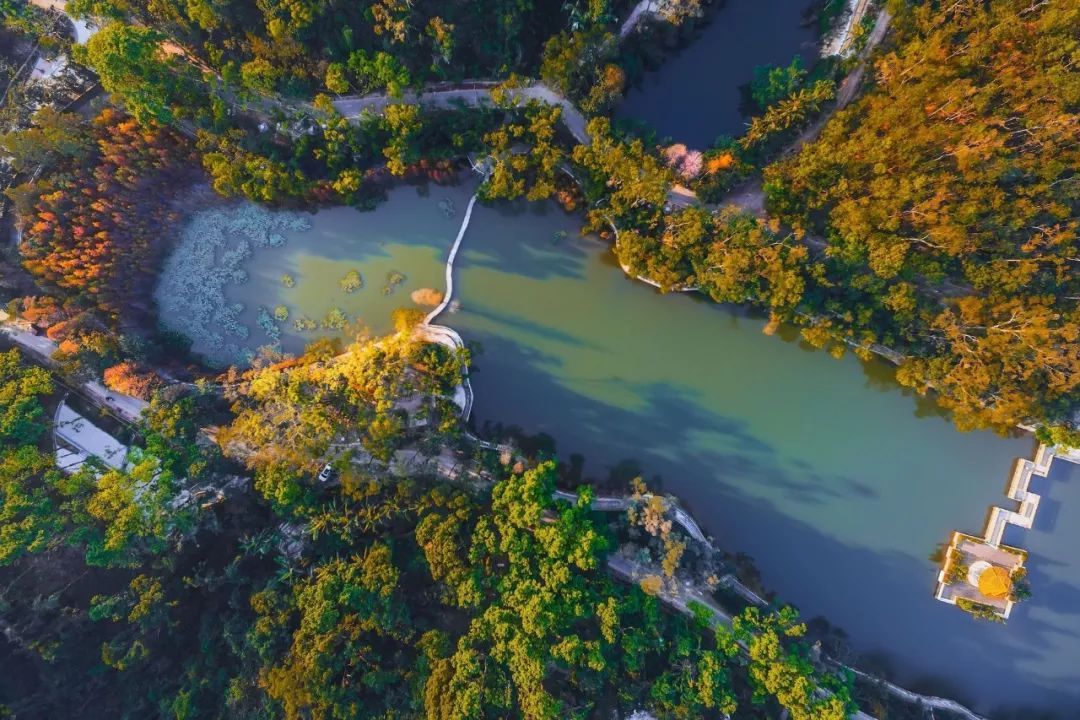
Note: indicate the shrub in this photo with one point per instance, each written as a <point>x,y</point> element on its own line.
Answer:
<point>652,584</point>
<point>978,610</point>
<point>957,570</point>
<point>351,282</point>
<point>427,296</point>
<point>1021,586</point>
<point>129,379</point>
<point>266,322</point>
<point>393,280</point>
<point>304,324</point>
<point>335,320</point>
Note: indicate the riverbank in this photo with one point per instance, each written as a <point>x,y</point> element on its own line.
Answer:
<point>824,500</point>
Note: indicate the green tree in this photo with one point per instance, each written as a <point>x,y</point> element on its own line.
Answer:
<point>21,389</point>
<point>53,137</point>
<point>779,668</point>
<point>129,61</point>
<point>773,83</point>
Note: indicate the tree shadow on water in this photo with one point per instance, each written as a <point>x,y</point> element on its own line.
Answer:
<point>733,480</point>
<point>535,329</point>
<point>543,247</point>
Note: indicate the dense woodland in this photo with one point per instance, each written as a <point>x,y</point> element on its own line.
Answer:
<point>95,225</point>
<point>300,47</point>
<point>949,199</point>
<point>216,576</point>
<point>936,216</point>
<point>376,595</point>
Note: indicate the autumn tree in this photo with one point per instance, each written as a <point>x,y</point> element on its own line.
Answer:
<point>947,196</point>
<point>96,226</point>
<point>128,378</point>
<point>525,155</point>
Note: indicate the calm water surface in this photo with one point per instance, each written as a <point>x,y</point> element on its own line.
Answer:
<point>410,234</point>
<point>695,95</point>
<point>836,481</point>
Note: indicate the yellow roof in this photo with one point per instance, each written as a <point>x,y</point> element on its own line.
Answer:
<point>994,583</point>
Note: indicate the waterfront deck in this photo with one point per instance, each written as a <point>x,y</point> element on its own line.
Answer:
<point>988,549</point>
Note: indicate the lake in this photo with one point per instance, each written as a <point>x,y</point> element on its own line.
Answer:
<point>837,481</point>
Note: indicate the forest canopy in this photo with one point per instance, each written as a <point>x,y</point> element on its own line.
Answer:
<point>950,199</point>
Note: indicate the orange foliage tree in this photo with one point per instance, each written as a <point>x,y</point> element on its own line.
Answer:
<point>130,379</point>
<point>95,229</point>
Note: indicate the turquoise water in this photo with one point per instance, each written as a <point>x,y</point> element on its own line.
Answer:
<point>837,482</point>
<point>834,479</point>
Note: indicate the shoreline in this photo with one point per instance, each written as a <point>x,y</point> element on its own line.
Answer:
<point>451,338</point>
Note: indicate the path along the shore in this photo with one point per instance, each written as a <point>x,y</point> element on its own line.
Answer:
<point>125,407</point>
<point>472,93</point>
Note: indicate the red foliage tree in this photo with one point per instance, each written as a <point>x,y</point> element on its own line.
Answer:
<point>97,229</point>
<point>130,379</point>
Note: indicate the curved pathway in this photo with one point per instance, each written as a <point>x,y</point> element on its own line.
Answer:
<point>681,597</point>
<point>445,335</point>
<point>475,93</point>
<point>616,504</point>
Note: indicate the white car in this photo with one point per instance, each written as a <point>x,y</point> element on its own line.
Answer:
<point>326,473</point>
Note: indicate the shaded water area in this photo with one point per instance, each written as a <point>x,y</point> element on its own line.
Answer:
<point>838,483</point>
<point>407,237</point>
<point>695,95</point>
<point>834,479</point>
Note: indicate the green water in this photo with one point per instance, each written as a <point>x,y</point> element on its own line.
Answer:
<point>838,482</point>
<point>409,235</point>
<point>834,479</point>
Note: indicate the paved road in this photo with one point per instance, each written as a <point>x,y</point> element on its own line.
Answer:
<point>124,406</point>
<point>472,94</point>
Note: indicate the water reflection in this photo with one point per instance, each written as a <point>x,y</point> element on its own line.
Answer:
<point>839,489</point>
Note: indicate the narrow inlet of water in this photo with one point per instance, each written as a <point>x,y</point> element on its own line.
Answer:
<point>696,95</point>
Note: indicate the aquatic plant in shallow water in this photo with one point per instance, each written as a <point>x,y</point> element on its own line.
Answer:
<point>267,323</point>
<point>446,207</point>
<point>393,279</point>
<point>212,251</point>
<point>304,324</point>
<point>351,282</point>
<point>335,319</point>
